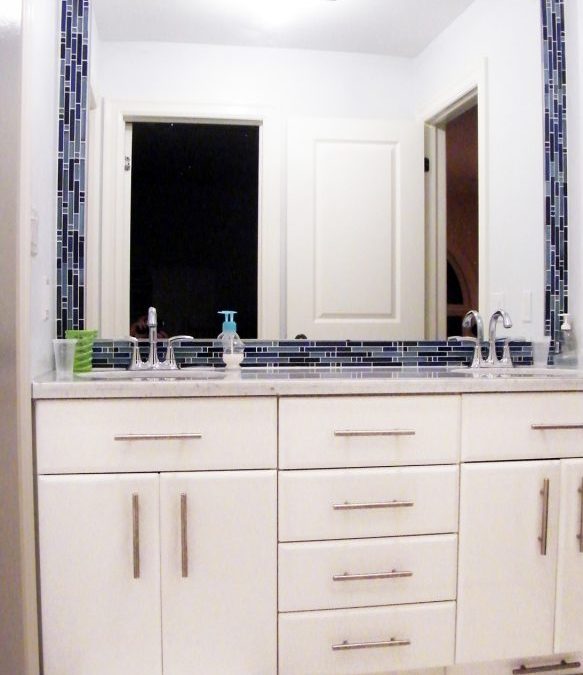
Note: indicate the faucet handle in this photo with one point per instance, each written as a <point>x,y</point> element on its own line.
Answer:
<point>136,362</point>
<point>463,338</point>
<point>170,361</point>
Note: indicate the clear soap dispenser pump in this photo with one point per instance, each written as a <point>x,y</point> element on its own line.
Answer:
<point>566,357</point>
<point>233,346</point>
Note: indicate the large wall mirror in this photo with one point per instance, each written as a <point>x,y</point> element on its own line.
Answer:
<point>377,166</point>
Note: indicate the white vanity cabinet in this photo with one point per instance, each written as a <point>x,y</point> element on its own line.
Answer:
<point>402,535</point>
<point>521,553</point>
<point>169,573</point>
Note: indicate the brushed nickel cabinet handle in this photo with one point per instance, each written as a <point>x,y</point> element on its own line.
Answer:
<point>393,574</point>
<point>544,532</point>
<point>136,534</point>
<point>564,665</point>
<point>395,504</point>
<point>184,534</point>
<point>370,645</point>
<point>375,432</point>
<point>155,437</point>
<point>554,427</point>
<point>580,535</point>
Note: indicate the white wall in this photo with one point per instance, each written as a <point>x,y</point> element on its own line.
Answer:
<point>42,90</point>
<point>18,618</point>
<point>508,34</point>
<point>293,82</point>
<point>11,601</point>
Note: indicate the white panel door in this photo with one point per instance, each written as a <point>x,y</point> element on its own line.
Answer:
<point>506,584</point>
<point>355,229</point>
<point>100,574</point>
<point>219,568</point>
<point>569,622</point>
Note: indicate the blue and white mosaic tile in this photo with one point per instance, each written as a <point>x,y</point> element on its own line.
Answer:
<point>71,171</point>
<point>555,113</point>
<point>313,354</point>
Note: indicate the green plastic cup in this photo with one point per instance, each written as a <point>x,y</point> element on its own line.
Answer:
<point>84,348</point>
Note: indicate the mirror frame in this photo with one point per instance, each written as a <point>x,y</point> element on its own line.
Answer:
<point>72,165</point>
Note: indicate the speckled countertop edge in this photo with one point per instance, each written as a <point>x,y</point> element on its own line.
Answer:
<point>307,382</point>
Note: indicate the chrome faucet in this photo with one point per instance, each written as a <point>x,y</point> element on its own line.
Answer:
<point>477,360</point>
<point>492,360</point>
<point>152,362</point>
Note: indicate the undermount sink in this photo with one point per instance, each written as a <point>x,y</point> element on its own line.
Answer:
<point>525,371</point>
<point>180,374</point>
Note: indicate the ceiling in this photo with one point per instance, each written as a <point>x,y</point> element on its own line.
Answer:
<point>390,27</point>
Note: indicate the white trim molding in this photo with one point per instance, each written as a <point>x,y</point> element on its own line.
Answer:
<point>113,276</point>
<point>451,102</point>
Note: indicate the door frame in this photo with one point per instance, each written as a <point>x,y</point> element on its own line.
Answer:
<point>110,225</point>
<point>449,104</point>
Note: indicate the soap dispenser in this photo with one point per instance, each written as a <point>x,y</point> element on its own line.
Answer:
<point>566,357</point>
<point>233,346</point>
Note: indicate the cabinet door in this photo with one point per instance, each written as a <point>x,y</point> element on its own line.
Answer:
<point>569,623</point>
<point>100,574</point>
<point>219,562</point>
<point>506,593</point>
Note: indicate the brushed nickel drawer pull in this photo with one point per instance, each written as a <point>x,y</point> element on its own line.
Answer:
<point>395,504</point>
<point>371,645</point>
<point>184,535</point>
<point>393,574</point>
<point>564,665</point>
<point>580,535</point>
<point>373,432</point>
<point>136,534</point>
<point>554,427</point>
<point>155,437</point>
<point>545,518</point>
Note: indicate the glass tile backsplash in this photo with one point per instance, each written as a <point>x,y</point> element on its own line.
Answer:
<point>312,354</point>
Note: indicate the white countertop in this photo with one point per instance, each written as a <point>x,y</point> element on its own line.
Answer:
<point>310,382</point>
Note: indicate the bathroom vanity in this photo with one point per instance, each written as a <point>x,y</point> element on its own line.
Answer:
<point>340,524</point>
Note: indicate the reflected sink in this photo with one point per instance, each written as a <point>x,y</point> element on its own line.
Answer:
<point>521,371</point>
<point>181,374</point>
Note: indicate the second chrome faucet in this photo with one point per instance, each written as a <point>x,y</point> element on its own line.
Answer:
<point>492,360</point>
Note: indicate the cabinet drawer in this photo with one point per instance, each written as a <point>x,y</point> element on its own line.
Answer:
<point>86,436</point>
<point>358,503</point>
<point>500,426</point>
<point>422,636</point>
<point>367,572</point>
<point>368,431</point>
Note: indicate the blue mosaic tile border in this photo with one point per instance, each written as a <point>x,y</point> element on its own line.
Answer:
<point>71,170</point>
<point>317,354</point>
<point>555,115</point>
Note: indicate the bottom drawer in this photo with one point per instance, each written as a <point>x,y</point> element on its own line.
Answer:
<point>367,641</point>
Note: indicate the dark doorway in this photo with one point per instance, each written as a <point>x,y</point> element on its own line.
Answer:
<point>462,218</point>
<point>194,226</point>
